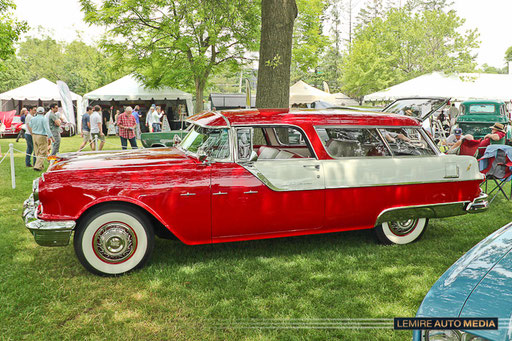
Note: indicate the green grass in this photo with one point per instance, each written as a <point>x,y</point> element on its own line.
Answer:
<point>202,292</point>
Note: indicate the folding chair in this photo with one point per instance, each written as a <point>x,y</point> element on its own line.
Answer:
<point>499,171</point>
<point>469,147</point>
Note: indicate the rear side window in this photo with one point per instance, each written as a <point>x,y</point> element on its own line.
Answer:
<point>289,136</point>
<point>352,142</point>
<point>406,141</point>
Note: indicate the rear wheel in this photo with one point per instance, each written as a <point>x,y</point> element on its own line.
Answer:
<point>113,240</point>
<point>401,232</point>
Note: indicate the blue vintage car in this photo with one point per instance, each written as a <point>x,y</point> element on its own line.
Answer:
<point>479,284</point>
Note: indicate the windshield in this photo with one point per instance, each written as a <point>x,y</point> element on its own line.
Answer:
<point>419,108</point>
<point>213,142</point>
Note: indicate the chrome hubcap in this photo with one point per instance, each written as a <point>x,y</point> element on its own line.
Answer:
<point>401,228</point>
<point>114,242</point>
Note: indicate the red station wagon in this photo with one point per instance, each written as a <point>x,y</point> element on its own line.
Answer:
<point>252,174</point>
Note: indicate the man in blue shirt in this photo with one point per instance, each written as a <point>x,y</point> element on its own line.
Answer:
<point>86,128</point>
<point>137,115</point>
<point>40,135</point>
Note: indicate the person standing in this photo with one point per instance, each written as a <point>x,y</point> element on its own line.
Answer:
<point>127,126</point>
<point>40,134</point>
<point>115,121</point>
<point>149,118</point>
<point>96,128</point>
<point>54,123</point>
<point>28,137</point>
<point>453,113</point>
<point>23,114</point>
<point>137,115</point>
<point>157,116</point>
<point>86,128</point>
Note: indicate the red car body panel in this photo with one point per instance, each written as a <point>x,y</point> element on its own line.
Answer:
<point>222,201</point>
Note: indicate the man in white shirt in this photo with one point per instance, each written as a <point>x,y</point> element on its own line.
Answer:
<point>157,115</point>
<point>96,129</point>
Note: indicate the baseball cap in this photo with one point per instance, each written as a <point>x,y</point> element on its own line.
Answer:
<point>40,110</point>
<point>457,131</point>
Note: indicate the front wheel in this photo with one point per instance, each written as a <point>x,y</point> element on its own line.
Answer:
<point>401,232</point>
<point>113,241</point>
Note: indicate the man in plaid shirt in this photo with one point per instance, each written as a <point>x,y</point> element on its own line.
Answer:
<point>127,125</point>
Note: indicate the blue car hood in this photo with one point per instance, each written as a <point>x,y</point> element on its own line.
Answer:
<point>479,284</point>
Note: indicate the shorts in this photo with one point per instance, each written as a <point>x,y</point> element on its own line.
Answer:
<point>87,136</point>
<point>100,137</point>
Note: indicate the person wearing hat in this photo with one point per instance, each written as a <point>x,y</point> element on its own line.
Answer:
<point>40,134</point>
<point>454,138</point>
<point>496,136</point>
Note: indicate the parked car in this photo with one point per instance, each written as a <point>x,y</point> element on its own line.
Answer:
<point>479,284</point>
<point>477,116</point>
<point>10,123</point>
<point>253,174</point>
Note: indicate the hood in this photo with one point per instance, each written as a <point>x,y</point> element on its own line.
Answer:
<point>479,284</point>
<point>420,108</point>
<point>119,158</point>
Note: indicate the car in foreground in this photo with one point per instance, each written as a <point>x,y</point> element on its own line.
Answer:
<point>479,284</point>
<point>477,116</point>
<point>253,174</point>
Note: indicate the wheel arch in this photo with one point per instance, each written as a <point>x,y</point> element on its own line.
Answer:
<point>159,227</point>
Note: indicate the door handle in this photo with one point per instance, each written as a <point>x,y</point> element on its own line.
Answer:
<point>317,167</point>
<point>251,192</point>
<point>187,194</point>
<point>220,193</point>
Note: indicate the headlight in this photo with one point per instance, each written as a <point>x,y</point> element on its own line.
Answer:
<point>35,189</point>
<point>451,335</point>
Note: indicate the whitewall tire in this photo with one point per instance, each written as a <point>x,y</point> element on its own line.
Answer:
<point>113,241</point>
<point>401,232</point>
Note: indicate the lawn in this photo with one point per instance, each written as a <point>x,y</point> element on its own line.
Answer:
<point>279,289</point>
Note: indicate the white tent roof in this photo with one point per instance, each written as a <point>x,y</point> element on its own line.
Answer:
<point>459,87</point>
<point>302,92</point>
<point>129,88</point>
<point>41,89</point>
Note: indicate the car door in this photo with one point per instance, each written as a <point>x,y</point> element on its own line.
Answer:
<point>254,198</point>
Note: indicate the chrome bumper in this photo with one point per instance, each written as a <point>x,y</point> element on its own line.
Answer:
<point>46,233</point>
<point>480,204</point>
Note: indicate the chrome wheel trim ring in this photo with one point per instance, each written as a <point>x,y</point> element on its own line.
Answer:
<point>114,242</point>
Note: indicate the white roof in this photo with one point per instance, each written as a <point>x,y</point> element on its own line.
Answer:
<point>458,87</point>
<point>41,89</point>
<point>129,88</point>
<point>302,92</point>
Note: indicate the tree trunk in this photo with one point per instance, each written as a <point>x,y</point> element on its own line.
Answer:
<point>199,94</point>
<point>277,18</point>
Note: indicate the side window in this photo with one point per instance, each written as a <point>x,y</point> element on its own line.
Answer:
<point>352,142</point>
<point>289,136</point>
<point>406,141</point>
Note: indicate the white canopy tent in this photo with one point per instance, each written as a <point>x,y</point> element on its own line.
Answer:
<point>459,87</point>
<point>40,92</point>
<point>301,92</point>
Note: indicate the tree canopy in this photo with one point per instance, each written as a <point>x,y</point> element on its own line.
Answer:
<point>10,30</point>
<point>403,45</point>
<point>178,43</point>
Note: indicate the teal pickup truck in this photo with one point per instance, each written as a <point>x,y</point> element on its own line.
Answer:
<point>477,116</point>
<point>161,139</point>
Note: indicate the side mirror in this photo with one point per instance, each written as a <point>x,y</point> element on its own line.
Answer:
<point>244,144</point>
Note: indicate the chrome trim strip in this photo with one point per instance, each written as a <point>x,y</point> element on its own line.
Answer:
<point>422,211</point>
<point>442,210</point>
<point>398,184</point>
